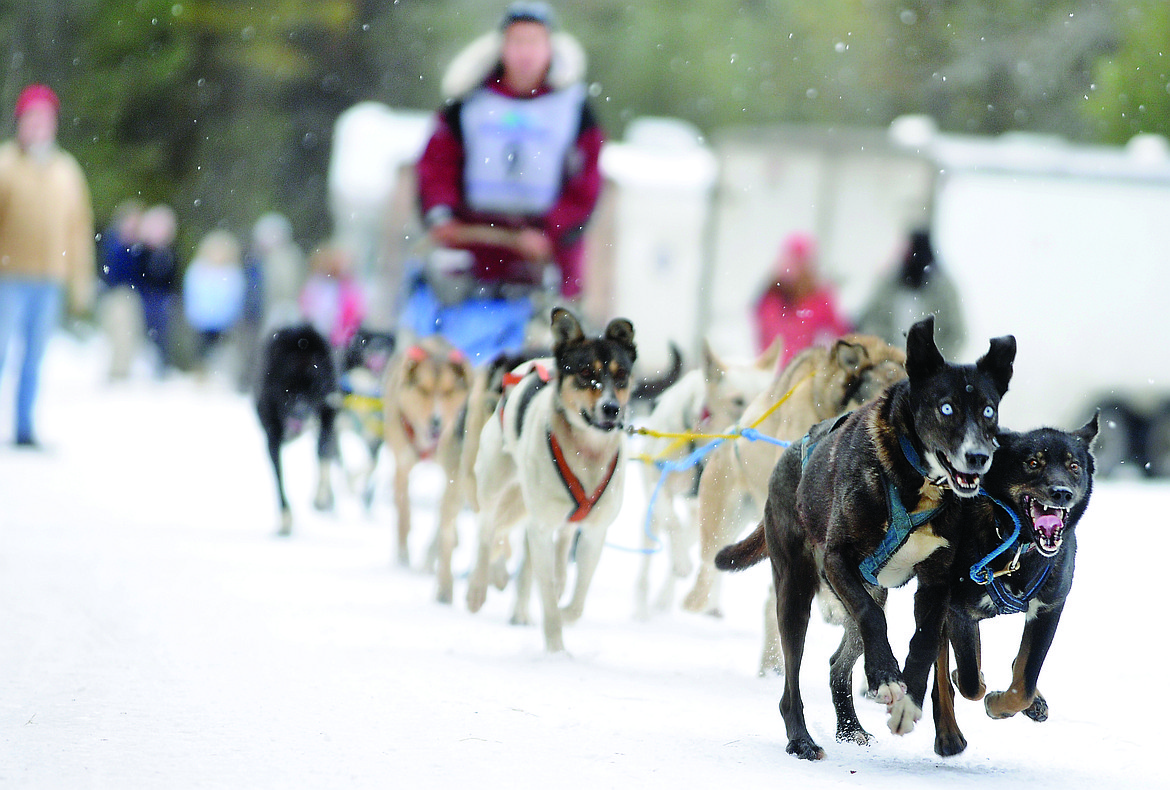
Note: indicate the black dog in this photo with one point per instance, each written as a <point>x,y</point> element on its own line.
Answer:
<point>363,366</point>
<point>298,382</point>
<point>1016,555</point>
<point>866,503</point>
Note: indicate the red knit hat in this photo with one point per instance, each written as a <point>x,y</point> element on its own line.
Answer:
<point>33,94</point>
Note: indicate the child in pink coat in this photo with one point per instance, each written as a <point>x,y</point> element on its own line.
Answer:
<point>795,304</point>
<point>332,300</point>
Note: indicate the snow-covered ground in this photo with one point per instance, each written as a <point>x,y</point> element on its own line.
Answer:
<point>155,633</point>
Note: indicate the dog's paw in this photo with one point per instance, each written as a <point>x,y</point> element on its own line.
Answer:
<point>476,596</point>
<point>949,744</point>
<point>323,501</point>
<point>976,693</point>
<point>887,693</point>
<point>570,614</point>
<point>285,528</point>
<point>853,732</point>
<point>500,576</point>
<point>903,713</point>
<point>805,749</point>
<point>520,618</point>
<point>996,705</point>
<point>444,595</point>
<point>1038,710</point>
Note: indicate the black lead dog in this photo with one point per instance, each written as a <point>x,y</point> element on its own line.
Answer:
<point>298,382</point>
<point>1017,556</point>
<point>866,503</point>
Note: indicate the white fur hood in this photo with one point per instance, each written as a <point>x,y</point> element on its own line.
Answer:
<point>478,59</point>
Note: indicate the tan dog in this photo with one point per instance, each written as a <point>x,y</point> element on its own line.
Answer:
<point>425,390</point>
<point>552,457</point>
<point>818,383</point>
<point>709,399</point>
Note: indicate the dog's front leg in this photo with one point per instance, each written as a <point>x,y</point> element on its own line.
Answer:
<point>589,547</point>
<point>542,559</point>
<point>402,505</point>
<point>1022,695</point>
<point>931,601</point>
<point>881,668</point>
<point>447,538</point>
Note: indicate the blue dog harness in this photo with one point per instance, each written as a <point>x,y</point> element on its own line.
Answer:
<point>1005,601</point>
<point>902,523</point>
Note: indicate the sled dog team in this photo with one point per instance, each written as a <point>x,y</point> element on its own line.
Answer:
<point>880,465</point>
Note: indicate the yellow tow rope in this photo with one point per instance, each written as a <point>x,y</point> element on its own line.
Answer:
<point>682,438</point>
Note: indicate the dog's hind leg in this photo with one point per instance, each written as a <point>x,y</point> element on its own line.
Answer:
<point>948,738</point>
<point>771,657</point>
<point>274,454</point>
<point>520,615</point>
<point>718,520</point>
<point>589,547</point>
<point>794,597</point>
<point>849,729</point>
<point>326,453</point>
<point>963,633</point>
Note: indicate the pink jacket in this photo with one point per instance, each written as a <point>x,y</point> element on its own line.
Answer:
<point>812,320</point>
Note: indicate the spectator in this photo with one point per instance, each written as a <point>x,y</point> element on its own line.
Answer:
<point>795,304</point>
<point>274,271</point>
<point>332,300</point>
<point>213,291</point>
<point>158,278</point>
<point>46,243</point>
<point>917,288</point>
<point>506,202</point>
<point>119,306</point>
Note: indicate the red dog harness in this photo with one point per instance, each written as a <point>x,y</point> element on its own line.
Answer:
<point>584,502</point>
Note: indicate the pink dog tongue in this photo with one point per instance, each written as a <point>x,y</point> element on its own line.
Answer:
<point>1048,524</point>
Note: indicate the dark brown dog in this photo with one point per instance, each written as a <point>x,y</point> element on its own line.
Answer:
<point>865,503</point>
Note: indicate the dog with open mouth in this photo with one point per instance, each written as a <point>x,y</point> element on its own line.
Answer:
<point>1016,556</point>
<point>552,457</point>
<point>866,502</point>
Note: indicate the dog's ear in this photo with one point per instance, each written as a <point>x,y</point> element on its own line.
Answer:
<point>565,327</point>
<point>922,356</point>
<point>1088,432</point>
<point>771,356</point>
<point>713,367</point>
<point>997,362</point>
<point>620,330</point>
<point>849,356</point>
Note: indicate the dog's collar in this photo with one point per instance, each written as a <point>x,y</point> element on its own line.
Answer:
<point>584,502</point>
<point>411,437</point>
<point>912,456</point>
<point>1005,601</point>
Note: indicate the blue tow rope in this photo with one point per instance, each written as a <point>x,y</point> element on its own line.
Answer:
<point>681,465</point>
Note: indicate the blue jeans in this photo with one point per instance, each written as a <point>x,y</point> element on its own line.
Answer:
<point>29,311</point>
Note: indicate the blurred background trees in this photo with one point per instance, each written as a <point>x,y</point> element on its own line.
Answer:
<point>224,108</point>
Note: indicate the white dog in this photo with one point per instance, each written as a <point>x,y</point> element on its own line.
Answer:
<point>553,457</point>
<point>710,399</point>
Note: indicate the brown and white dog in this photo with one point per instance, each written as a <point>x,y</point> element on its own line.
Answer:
<point>425,390</point>
<point>709,399</point>
<point>553,458</point>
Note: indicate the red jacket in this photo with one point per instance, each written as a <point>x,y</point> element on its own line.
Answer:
<point>440,184</point>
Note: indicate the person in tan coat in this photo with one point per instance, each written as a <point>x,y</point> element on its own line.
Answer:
<point>46,242</point>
